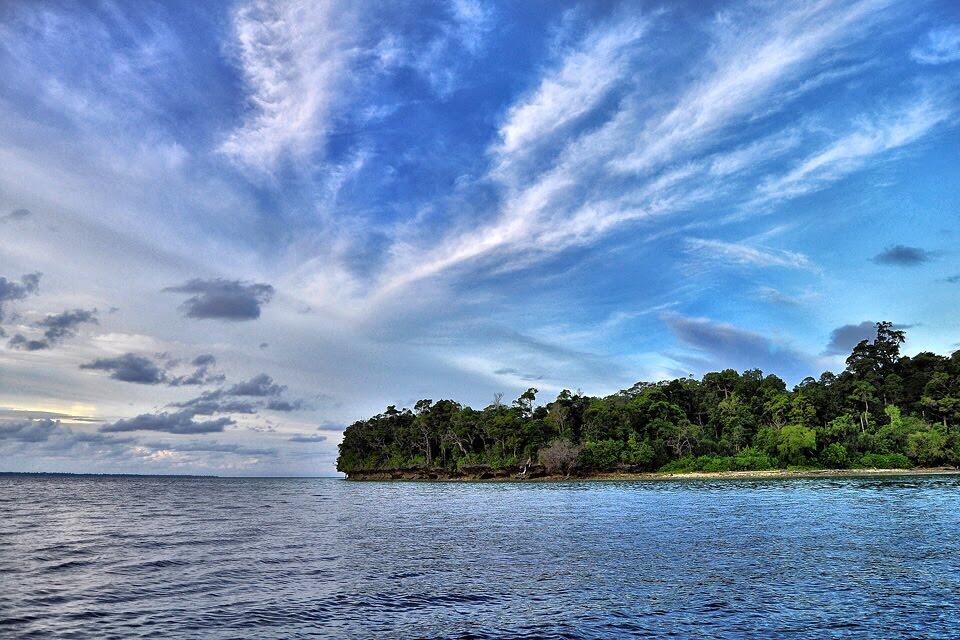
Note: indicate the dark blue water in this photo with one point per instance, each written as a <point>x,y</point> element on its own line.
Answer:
<point>170,558</point>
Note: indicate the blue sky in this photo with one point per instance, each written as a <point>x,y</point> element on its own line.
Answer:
<point>228,229</point>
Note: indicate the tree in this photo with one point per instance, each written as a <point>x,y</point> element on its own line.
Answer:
<point>863,395</point>
<point>726,420</point>
<point>835,456</point>
<point>795,442</point>
<point>559,456</point>
<point>940,397</point>
<point>524,403</point>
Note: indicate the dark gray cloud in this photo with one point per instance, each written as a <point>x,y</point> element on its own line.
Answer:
<point>308,438</point>
<point>16,214</point>
<point>22,343</point>
<point>725,346</point>
<point>221,299</point>
<point>213,402</point>
<point>57,327</point>
<point>284,405</point>
<point>140,369</point>
<point>204,360</point>
<point>201,375</point>
<point>510,371</point>
<point>28,430</point>
<point>953,279</point>
<point>64,325</point>
<point>843,339</point>
<point>180,422</point>
<point>333,427</point>
<point>260,386</point>
<point>901,255</point>
<point>247,397</point>
<point>213,447</point>
<point>129,368</point>
<point>10,290</point>
<point>54,435</point>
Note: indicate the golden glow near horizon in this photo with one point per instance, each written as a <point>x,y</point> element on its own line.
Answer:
<point>73,413</point>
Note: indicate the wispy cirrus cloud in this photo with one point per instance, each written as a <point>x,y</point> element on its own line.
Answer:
<point>651,156</point>
<point>586,75</point>
<point>295,59</point>
<point>775,296</point>
<point>744,254</point>
<point>869,139</point>
<point>940,46</point>
<point>457,38</point>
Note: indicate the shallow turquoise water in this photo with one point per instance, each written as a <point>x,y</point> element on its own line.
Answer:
<point>271,558</point>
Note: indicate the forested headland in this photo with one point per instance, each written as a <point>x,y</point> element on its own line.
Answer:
<point>883,411</point>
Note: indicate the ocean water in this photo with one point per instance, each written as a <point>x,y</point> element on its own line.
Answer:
<point>281,558</point>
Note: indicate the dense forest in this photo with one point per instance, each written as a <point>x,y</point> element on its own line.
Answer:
<point>883,411</point>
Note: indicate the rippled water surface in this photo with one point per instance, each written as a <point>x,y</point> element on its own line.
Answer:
<point>277,558</point>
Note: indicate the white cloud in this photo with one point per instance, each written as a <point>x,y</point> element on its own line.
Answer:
<point>295,58</point>
<point>939,47</point>
<point>585,76</point>
<point>775,296</point>
<point>745,254</point>
<point>749,64</point>
<point>651,157</point>
<point>870,138</point>
<point>459,36</point>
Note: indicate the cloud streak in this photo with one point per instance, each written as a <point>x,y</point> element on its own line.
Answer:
<point>742,254</point>
<point>181,422</point>
<point>721,345</point>
<point>940,46</point>
<point>652,158</point>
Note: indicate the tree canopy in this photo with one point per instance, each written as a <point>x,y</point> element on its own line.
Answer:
<point>883,410</point>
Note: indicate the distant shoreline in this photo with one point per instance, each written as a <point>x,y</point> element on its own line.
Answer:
<point>68,474</point>
<point>432,475</point>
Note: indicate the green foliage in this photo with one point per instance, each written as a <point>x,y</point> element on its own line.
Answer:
<point>835,456</point>
<point>753,459</point>
<point>600,456</point>
<point>637,454</point>
<point>884,461</point>
<point>927,448</point>
<point>685,464</point>
<point>884,410</point>
<point>795,443</point>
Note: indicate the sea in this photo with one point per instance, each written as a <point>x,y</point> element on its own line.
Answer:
<point>169,557</point>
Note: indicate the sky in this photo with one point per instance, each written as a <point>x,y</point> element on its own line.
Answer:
<point>227,230</point>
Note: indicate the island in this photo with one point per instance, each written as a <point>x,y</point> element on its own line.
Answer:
<point>884,411</point>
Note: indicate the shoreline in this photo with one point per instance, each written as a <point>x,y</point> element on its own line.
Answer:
<point>416,475</point>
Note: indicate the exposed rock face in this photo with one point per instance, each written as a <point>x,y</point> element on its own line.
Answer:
<point>538,472</point>
<point>478,472</point>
